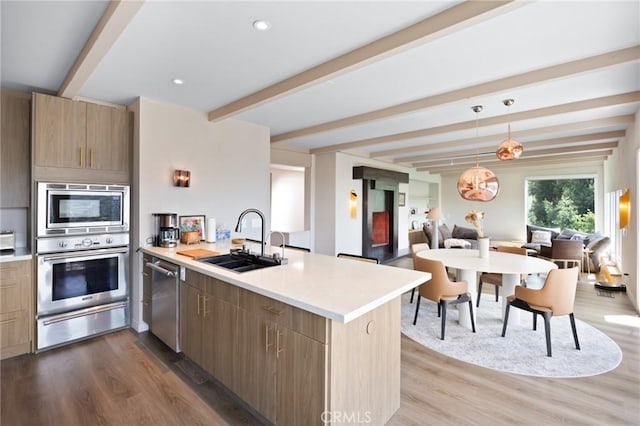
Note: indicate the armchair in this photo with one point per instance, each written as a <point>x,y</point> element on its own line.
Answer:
<point>565,253</point>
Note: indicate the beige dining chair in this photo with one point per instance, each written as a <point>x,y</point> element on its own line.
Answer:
<point>415,248</point>
<point>555,298</point>
<point>496,279</point>
<point>441,290</point>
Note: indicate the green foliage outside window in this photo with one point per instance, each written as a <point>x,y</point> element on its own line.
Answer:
<point>562,203</point>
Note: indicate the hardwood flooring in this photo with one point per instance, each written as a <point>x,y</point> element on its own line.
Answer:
<point>128,379</point>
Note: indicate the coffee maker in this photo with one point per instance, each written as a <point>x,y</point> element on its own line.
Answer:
<point>165,230</point>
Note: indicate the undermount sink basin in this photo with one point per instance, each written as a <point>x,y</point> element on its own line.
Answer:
<point>240,262</point>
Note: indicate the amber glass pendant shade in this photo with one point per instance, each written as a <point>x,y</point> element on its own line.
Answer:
<point>478,184</point>
<point>509,150</point>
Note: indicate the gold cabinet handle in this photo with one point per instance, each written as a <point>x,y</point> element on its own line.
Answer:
<point>204,306</point>
<point>266,338</point>
<point>199,304</point>
<point>81,157</point>
<point>278,348</point>
<point>91,158</point>
<point>272,310</point>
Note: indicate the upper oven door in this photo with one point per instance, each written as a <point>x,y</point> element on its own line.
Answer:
<point>74,280</point>
<point>80,208</point>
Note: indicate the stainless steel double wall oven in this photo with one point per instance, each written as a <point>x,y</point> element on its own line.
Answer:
<point>82,249</point>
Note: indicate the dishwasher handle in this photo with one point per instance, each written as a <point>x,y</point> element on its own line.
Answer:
<point>160,269</point>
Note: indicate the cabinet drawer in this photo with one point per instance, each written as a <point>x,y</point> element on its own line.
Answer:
<point>212,287</point>
<point>265,307</point>
<point>14,328</point>
<point>15,269</point>
<point>14,294</point>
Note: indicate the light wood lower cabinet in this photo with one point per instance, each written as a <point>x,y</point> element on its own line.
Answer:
<point>15,308</point>
<point>208,323</point>
<point>290,365</point>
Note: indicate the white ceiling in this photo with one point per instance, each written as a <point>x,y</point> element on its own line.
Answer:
<point>212,46</point>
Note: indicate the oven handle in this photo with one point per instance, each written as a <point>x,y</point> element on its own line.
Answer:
<point>161,269</point>
<point>83,253</point>
<point>85,312</point>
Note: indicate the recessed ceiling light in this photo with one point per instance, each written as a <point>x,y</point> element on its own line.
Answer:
<point>261,25</point>
<point>177,81</point>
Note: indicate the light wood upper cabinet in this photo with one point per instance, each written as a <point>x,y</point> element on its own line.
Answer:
<point>14,170</point>
<point>15,308</point>
<point>80,141</point>
<point>108,145</point>
<point>60,132</point>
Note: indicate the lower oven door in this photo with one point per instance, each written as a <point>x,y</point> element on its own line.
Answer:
<point>77,280</point>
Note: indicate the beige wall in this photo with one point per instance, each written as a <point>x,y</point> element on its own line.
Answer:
<point>621,172</point>
<point>229,164</point>
<point>506,215</point>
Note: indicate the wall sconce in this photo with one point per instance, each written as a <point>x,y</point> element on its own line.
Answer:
<point>353,204</point>
<point>624,209</point>
<point>182,178</point>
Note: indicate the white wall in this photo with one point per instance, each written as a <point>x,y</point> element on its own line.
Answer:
<point>621,172</point>
<point>335,230</point>
<point>229,164</point>
<point>287,200</point>
<point>506,216</point>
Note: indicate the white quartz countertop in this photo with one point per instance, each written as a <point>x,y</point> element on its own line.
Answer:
<point>338,289</point>
<point>20,253</point>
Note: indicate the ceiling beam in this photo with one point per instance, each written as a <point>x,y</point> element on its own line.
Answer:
<point>568,159</point>
<point>530,146</point>
<point>520,134</point>
<point>491,157</point>
<point>453,19</point>
<point>113,22</point>
<point>631,54</point>
<point>622,99</point>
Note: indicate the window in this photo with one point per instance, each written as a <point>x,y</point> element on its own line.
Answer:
<point>562,203</point>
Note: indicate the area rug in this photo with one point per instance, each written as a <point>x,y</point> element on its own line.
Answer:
<point>522,350</point>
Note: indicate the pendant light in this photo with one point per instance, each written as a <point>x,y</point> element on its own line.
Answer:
<point>509,149</point>
<point>478,183</point>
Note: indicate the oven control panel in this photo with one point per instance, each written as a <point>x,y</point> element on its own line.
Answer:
<point>84,242</point>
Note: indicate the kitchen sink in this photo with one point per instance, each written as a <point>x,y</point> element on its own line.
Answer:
<point>239,261</point>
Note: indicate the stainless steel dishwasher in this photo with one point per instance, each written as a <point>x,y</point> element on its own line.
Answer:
<point>165,302</point>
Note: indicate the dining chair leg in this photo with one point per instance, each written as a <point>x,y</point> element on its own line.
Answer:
<point>506,320</point>
<point>547,330</point>
<point>473,323</point>
<point>439,310</point>
<point>415,318</point>
<point>413,291</point>
<point>573,328</point>
<point>479,292</point>
<point>497,292</point>
<point>444,318</point>
<point>535,321</point>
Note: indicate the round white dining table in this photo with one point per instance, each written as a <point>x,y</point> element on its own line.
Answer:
<point>468,264</point>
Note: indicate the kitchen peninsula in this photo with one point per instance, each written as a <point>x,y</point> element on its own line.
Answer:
<point>311,342</point>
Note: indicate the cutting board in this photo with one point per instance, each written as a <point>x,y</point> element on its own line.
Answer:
<point>198,253</point>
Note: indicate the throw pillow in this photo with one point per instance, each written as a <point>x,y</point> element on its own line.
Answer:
<point>427,230</point>
<point>566,234</point>
<point>456,243</point>
<point>578,236</point>
<point>541,237</point>
<point>445,233</point>
<point>464,233</point>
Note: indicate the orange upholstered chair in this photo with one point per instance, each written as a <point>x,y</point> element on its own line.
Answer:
<point>494,278</point>
<point>555,298</point>
<point>441,290</point>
